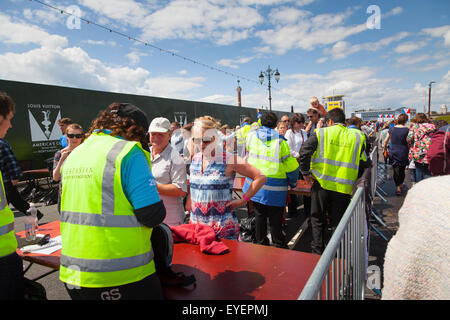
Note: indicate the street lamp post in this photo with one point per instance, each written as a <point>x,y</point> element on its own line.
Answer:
<point>269,73</point>
<point>429,99</point>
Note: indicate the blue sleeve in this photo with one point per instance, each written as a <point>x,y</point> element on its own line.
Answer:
<point>293,177</point>
<point>63,141</point>
<point>138,183</point>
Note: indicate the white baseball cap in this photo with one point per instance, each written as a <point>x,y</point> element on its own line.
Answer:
<point>159,125</point>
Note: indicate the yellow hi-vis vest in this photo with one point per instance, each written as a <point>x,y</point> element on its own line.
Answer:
<point>242,134</point>
<point>272,158</point>
<point>335,162</point>
<point>103,244</point>
<point>8,241</point>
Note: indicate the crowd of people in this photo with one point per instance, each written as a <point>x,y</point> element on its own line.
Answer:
<point>125,176</point>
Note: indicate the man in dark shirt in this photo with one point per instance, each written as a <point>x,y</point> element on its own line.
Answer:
<point>12,173</point>
<point>325,204</point>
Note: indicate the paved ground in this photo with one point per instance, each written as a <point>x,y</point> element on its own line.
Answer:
<point>299,240</point>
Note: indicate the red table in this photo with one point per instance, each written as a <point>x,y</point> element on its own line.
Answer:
<point>247,272</point>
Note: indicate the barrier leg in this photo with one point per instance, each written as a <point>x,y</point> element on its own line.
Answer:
<point>378,218</point>
<point>378,194</point>
<point>379,232</point>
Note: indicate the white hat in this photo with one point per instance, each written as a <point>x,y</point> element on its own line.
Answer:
<point>159,125</point>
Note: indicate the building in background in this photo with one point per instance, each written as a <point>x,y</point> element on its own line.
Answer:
<point>384,114</point>
<point>334,101</point>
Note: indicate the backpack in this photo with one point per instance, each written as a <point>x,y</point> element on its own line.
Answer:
<point>438,155</point>
<point>162,245</point>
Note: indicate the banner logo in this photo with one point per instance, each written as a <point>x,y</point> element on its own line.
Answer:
<point>181,118</point>
<point>45,131</point>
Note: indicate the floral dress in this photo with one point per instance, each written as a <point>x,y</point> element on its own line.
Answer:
<point>211,191</point>
<point>419,141</point>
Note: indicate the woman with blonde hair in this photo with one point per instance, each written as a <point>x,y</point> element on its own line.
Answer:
<point>212,175</point>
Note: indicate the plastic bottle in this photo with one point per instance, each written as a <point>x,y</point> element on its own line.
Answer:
<point>31,223</point>
<point>33,213</point>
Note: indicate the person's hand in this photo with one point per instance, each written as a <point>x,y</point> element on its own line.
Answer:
<point>309,179</point>
<point>65,154</point>
<point>320,123</point>
<point>309,126</point>
<point>236,203</point>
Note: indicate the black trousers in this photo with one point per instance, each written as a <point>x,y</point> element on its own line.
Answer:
<point>275,215</point>
<point>327,209</point>
<point>148,288</point>
<point>11,278</point>
<point>399,175</point>
<point>13,196</point>
<point>293,205</point>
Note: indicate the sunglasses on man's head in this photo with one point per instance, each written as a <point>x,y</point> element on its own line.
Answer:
<point>73,135</point>
<point>204,140</point>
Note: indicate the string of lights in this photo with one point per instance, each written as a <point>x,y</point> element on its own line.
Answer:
<point>147,44</point>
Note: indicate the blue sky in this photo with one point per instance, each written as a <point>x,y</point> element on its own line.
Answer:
<point>320,47</point>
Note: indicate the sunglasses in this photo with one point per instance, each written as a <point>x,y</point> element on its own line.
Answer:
<point>204,140</point>
<point>72,135</point>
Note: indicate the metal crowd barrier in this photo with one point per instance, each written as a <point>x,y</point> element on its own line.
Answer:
<point>374,173</point>
<point>340,273</point>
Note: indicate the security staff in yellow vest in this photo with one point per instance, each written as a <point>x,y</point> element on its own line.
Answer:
<point>269,152</point>
<point>330,159</point>
<point>109,205</point>
<point>11,268</point>
<point>241,135</point>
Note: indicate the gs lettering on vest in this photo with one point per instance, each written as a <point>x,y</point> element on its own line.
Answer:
<point>335,163</point>
<point>100,233</point>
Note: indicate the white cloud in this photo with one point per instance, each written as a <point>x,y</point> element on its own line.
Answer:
<point>134,57</point>
<point>223,22</point>
<point>44,64</point>
<point>310,31</point>
<point>45,17</point>
<point>410,60</point>
<point>407,47</point>
<point>234,63</point>
<point>287,15</point>
<point>438,32</point>
<point>395,11</point>
<point>20,33</point>
<point>343,49</point>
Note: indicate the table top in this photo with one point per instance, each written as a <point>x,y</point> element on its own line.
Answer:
<point>36,171</point>
<point>51,261</point>
<point>247,272</point>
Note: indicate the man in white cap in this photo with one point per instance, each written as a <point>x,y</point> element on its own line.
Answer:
<point>169,171</point>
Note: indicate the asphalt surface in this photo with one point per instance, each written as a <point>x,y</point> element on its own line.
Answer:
<point>297,231</point>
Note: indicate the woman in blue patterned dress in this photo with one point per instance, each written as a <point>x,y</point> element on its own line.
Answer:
<point>211,181</point>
